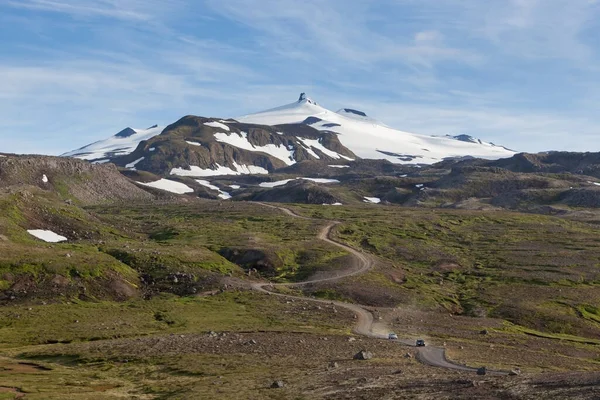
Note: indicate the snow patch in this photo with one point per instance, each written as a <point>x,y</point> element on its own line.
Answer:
<point>274,184</point>
<point>215,124</point>
<point>235,187</point>
<point>333,204</point>
<point>420,185</point>
<point>169,186</point>
<point>594,183</point>
<point>133,164</point>
<point>339,166</point>
<point>285,181</point>
<point>314,143</point>
<point>321,180</point>
<point>47,236</point>
<point>195,171</point>
<point>193,143</point>
<point>44,178</point>
<point>152,149</point>
<point>222,195</point>
<point>241,141</point>
<point>373,200</point>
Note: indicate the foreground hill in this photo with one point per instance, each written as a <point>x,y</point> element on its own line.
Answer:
<point>69,179</point>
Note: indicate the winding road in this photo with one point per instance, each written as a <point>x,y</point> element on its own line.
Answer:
<point>430,355</point>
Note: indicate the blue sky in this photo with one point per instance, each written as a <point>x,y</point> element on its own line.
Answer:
<point>522,73</point>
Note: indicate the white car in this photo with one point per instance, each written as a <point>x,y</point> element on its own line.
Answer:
<point>393,336</point>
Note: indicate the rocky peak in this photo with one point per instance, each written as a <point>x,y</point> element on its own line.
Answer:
<point>305,99</point>
<point>127,132</point>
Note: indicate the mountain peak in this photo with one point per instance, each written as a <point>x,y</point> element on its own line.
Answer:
<point>125,133</point>
<point>305,99</point>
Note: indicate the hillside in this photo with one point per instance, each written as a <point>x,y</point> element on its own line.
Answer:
<point>70,179</point>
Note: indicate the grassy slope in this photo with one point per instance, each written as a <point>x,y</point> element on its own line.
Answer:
<point>537,271</point>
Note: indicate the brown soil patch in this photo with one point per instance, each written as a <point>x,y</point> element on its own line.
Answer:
<point>21,368</point>
<point>103,388</point>
<point>16,391</point>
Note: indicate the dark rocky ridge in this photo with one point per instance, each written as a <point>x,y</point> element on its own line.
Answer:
<point>171,150</point>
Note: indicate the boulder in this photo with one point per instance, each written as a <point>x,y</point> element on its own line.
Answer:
<point>514,372</point>
<point>481,371</point>
<point>277,385</point>
<point>363,355</point>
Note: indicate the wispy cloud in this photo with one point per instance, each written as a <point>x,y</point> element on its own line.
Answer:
<point>83,8</point>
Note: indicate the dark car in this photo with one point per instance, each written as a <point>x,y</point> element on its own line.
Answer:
<point>420,343</point>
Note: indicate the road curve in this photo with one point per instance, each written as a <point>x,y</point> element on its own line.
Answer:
<point>430,355</point>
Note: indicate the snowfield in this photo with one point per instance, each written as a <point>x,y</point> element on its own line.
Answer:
<point>169,186</point>
<point>47,236</point>
<point>115,145</point>
<point>368,138</point>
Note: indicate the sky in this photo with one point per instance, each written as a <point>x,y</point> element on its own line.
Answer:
<point>520,73</point>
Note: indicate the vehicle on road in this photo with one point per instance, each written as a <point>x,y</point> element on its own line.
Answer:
<point>420,343</point>
<point>393,336</point>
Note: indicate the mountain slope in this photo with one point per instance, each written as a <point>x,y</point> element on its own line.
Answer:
<point>368,138</point>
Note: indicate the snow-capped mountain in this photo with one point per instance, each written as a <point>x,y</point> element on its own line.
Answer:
<point>123,143</point>
<point>368,138</point>
<point>267,141</point>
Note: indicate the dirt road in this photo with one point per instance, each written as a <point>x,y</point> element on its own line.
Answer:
<point>430,355</point>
